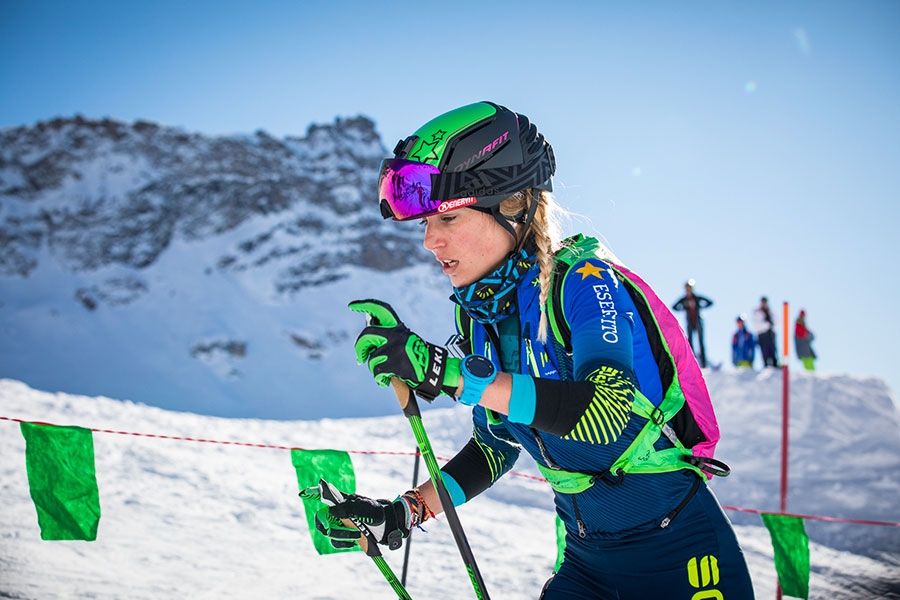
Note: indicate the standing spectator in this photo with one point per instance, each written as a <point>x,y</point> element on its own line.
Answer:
<point>691,304</point>
<point>743,346</point>
<point>803,338</point>
<point>765,332</point>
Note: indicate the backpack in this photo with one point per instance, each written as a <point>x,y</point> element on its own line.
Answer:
<point>685,413</point>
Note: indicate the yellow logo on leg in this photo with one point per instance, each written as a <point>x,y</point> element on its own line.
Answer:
<point>704,572</point>
<point>708,595</point>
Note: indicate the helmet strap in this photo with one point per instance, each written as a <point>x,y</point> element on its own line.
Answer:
<point>524,219</point>
<point>505,222</point>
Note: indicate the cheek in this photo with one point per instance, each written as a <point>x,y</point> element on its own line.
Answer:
<point>491,251</point>
<point>487,250</point>
<point>500,244</point>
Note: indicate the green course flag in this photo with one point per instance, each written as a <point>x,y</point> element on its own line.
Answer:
<point>791,546</point>
<point>62,480</point>
<point>335,467</point>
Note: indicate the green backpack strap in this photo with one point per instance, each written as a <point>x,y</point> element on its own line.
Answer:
<point>573,250</point>
<point>562,335</point>
<point>641,456</point>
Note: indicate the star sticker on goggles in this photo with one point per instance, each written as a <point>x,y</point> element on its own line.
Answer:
<point>429,149</point>
<point>588,269</point>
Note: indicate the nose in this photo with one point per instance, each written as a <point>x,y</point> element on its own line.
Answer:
<point>432,240</point>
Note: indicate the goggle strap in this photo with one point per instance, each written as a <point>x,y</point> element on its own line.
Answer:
<point>401,150</point>
<point>496,182</point>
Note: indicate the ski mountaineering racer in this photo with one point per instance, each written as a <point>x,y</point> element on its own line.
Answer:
<point>586,406</point>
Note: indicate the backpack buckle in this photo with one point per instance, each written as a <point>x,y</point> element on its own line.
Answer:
<point>708,465</point>
<point>456,346</point>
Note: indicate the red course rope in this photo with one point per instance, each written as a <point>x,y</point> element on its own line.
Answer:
<point>400,453</point>
<point>811,517</point>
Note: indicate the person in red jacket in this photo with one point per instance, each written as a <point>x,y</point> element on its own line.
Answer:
<point>803,338</point>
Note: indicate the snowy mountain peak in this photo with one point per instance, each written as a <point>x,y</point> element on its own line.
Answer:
<point>101,193</point>
<point>123,242</point>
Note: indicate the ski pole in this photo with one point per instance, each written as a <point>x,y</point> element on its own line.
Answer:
<point>410,408</point>
<point>366,542</point>
<point>415,482</point>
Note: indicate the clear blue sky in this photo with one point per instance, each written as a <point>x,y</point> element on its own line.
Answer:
<point>754,147</point>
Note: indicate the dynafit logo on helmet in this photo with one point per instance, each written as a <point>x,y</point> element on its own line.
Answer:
<point>455,203</point>
<point>483,152</point>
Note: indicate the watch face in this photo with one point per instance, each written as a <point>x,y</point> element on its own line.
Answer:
<point>479,366</point>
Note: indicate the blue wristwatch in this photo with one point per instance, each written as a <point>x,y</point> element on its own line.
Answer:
<point>478,372</point>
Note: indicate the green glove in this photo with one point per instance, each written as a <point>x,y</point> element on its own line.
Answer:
<point>392,350</point>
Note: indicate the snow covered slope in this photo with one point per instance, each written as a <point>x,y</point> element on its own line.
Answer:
<point>207,520</point>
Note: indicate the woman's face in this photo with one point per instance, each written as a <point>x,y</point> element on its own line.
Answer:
<point>468,243</point>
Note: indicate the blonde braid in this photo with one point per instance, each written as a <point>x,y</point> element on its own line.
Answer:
<point>544,230</point>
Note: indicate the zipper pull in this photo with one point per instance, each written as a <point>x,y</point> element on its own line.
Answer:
<point>530,361</point>
<point>582,530</point>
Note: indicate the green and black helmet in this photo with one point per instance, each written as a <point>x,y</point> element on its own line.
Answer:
<point>473,156</point>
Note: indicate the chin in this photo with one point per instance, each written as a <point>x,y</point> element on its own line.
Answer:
<point>459,282</point>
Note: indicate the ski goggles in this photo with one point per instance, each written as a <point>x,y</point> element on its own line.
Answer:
<point>408,190</point>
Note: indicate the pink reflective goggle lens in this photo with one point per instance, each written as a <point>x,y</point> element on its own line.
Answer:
<point>405,190</point>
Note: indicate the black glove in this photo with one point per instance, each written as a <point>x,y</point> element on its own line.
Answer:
<point>387,521</point>
<point>392,350</point>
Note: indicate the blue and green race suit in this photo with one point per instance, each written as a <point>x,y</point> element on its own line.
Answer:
<point>573,413</point>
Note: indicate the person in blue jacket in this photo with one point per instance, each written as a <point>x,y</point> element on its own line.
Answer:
<point>743,346</point>
<point>479,179</point>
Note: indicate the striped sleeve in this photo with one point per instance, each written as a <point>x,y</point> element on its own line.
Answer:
<point>609,411</point>
<point>482,461</point>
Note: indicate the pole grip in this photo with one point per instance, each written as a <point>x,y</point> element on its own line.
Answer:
<point>404,393</point>
<point>363,541</point>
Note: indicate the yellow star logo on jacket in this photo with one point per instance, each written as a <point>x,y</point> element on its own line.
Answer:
<point>588,269</point>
